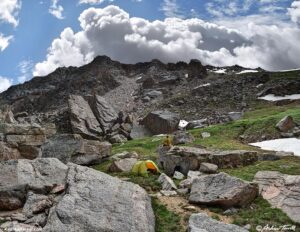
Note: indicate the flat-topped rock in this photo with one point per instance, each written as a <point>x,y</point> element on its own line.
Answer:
<point>281,191</point>
<point>234,158</point>
<point>184,159</point>
<point>222,190</point>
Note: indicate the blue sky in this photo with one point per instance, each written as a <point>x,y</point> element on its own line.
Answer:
<point>225,33</point>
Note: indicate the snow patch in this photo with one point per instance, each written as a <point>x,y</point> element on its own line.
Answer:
<point>204,85</point>
<point>288,70</point>
<point>286,145</point>
<point>220,71</point>
<point>183,124</point>
<point>272,97</point>
<point>247,71</point>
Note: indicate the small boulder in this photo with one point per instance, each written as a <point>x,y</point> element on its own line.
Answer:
<point>166,182</point>
<point>178,175</point>
<point>194,174</point>
<point>168,193</point>
<point>208,168</point>
<point>124,155</point>
<point>205,135</point>
<point>234,116</point>
<point>203,223</point>
<point>161,122</point>
<point>122,165</point>
<point>285,124</point>
<point>196,124</point>
<point>223,190</point>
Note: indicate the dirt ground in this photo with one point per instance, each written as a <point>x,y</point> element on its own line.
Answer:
<point>184,209</point>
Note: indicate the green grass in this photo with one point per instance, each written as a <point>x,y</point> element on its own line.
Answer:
<point>287,165</point>
<point>261,213</point>
<point>146,147</point>
<point>165,221</point>
<point>254,124</point>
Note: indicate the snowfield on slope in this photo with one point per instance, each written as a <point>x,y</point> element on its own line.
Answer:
<point>272,97</point>
<point>286,145</point>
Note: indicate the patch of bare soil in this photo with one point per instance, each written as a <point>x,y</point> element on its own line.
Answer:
<point>184,209</point>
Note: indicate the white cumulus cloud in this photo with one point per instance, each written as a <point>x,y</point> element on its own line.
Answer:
<point>111,31</point>
<point>93,2</point>
<point>56,10</point>
<point>5,83</point>
<point>294,11</point>
<point>4,41</point>
<point>9,10</point>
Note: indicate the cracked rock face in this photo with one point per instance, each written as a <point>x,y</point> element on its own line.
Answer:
<point>281,191</point>
<point>95,201</point>
<point>19,176</point>
<point>59,197</point>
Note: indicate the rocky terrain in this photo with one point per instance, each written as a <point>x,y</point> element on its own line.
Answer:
<point>69,140</point>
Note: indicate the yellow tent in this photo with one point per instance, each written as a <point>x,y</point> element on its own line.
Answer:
<point>142,167</point>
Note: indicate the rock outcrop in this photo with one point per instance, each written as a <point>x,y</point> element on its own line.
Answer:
<point>17,177</point>
<point>281,191</point>
<point>184,159</point>
<point>161,122</point>
<point>21,140</point>
<point>82,118</point>
<point>59,197</point>
<point>94,118</point>
<point>222,190</point>
<point>95,201</point>
<point>203,223</point>
<point>73,148</point>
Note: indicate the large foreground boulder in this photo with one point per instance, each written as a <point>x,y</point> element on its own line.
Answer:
<point>203,223</point>
<point>184,159</point>
<point>73,148</point>
<point>95,201</point>
<point>281,191</point>
<point>222,190</point>
<point>161,122</point>
<point>17,177</point>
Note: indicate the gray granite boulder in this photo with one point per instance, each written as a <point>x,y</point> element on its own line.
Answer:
<point>17,177</point>
<point>286,124</point>
<point>95,201</point>
<point>281,191</point>
<point>73,148</point>
<point>161,122</point>
<point>222,190</point>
